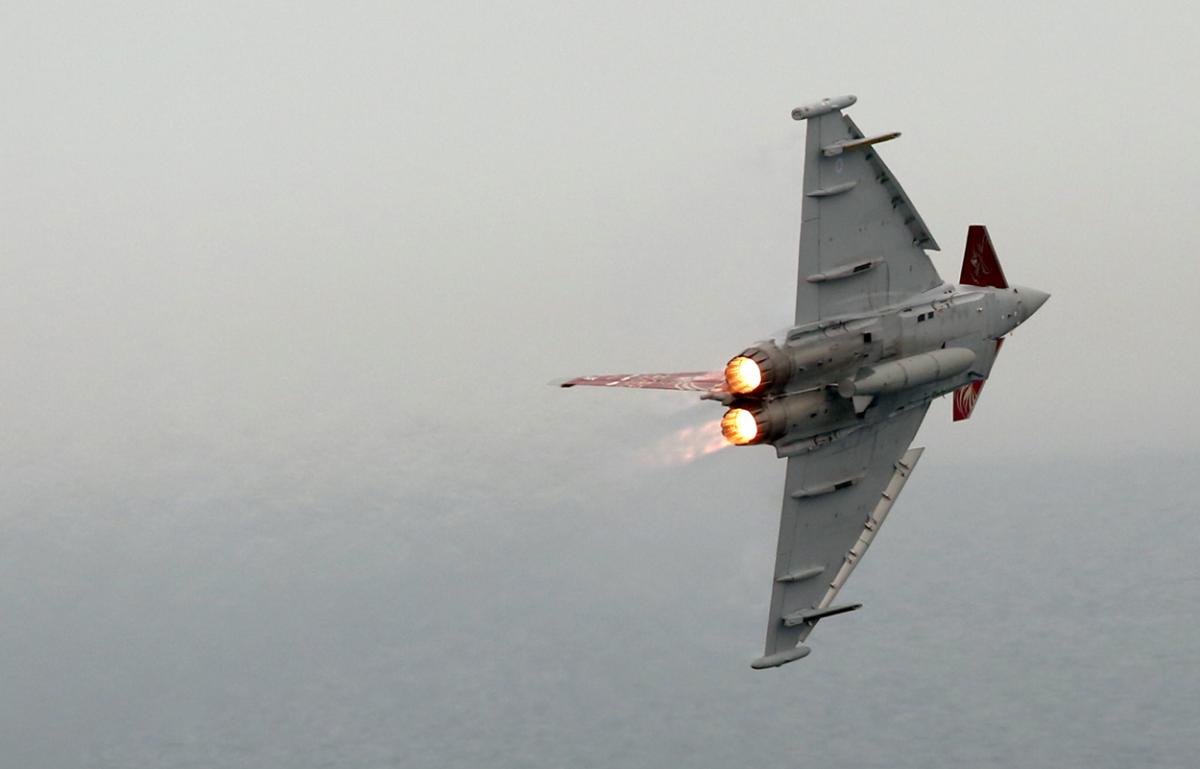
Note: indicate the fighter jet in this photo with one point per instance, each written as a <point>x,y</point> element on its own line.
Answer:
<point>877,336</point>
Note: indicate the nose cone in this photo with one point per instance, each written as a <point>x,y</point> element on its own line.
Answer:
<point>1030,300</point>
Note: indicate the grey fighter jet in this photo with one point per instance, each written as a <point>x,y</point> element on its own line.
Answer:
<point>878,335</point>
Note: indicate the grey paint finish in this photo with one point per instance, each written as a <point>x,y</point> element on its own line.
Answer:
<point>904,467</point>
<point>855,213</point>
<point>932,338</point>
<point>820,531</point>
<point>877,336</point>
<point>908,373</point>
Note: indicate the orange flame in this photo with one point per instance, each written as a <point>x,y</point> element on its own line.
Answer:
<point>739,427</point>
<point>742,375</point>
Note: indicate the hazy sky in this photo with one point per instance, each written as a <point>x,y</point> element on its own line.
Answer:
<point>284,283</point>
<point>214,214</point>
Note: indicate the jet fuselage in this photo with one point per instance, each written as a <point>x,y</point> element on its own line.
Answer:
<point>841,374</point>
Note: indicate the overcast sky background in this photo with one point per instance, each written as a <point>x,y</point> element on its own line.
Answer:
<point>281,481</point>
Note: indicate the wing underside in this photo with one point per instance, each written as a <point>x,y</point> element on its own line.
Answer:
<point>862,242</point>
<point>830,497</point>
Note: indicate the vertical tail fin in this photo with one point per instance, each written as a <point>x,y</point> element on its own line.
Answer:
<point>980,266</point>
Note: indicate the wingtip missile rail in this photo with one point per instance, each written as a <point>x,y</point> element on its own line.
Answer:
<point>822,107</point>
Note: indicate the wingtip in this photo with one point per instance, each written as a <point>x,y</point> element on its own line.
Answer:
<point>781,658</point>
<point>818,108</point>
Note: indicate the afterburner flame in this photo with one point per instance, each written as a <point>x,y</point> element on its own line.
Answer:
<point>739,427</point>
<point>742,375</point>
<point>687,444</point>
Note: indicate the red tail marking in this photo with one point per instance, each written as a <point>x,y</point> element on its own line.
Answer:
<point>703,381</point>
<point>980,266</point>
<point>967,396</point>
